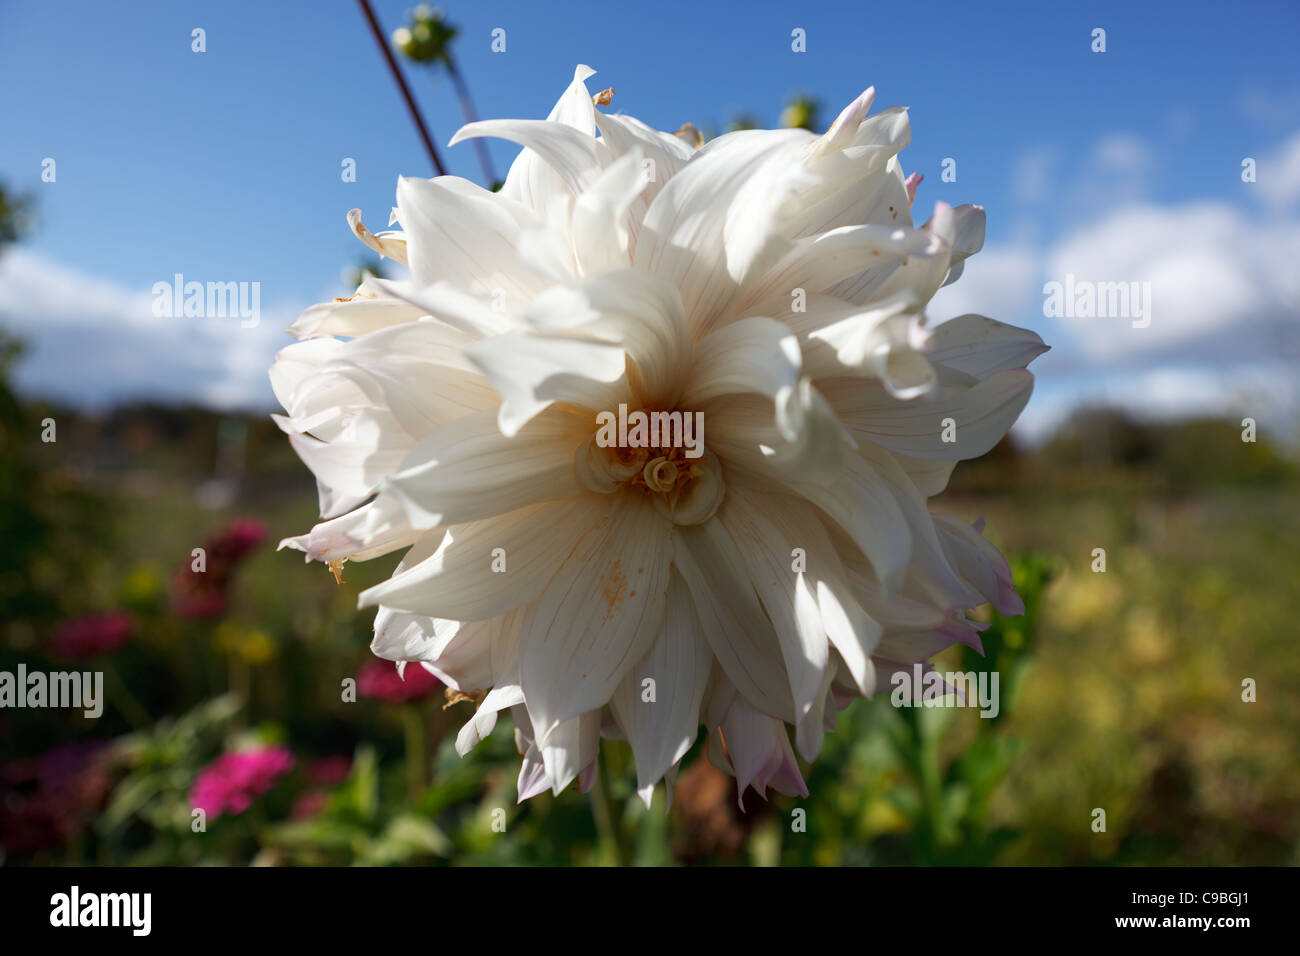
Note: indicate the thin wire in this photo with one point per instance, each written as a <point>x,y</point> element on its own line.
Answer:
<point>401,83</point>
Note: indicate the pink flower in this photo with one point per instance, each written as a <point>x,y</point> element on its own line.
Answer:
<point>308,804</point>
<point>380,680</point>
<point>237,540</point>
<point>92,635</point>
<point>327,771</point>
<point>205,594</point>
<point>229,784</point>
<point>51,798</point>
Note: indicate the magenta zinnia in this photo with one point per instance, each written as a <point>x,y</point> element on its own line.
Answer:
<point>229,785</point>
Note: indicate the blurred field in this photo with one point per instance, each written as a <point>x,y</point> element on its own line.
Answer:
<point>1121,690</point>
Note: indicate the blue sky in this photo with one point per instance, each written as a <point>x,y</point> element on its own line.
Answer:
<point>225,165</point>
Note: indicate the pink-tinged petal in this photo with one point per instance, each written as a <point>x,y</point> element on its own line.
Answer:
<point>760,752</point>
<point>910,185</point>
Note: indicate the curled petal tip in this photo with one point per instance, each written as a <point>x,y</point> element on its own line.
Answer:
<point>910,185</point>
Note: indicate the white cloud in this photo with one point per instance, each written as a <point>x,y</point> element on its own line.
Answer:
<point>1122,153</point>
<point>1278,175</point>
<point>1210,268</point>
<point>94,343</point>
<point>1033,173</point>
<point>1271,107</point>
<point>998,281</point>
<point>1225,326</point>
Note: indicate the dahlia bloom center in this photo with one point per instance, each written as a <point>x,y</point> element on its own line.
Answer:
<point>659,459</point>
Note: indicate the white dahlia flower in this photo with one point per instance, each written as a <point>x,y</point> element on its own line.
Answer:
<point>771,287</point>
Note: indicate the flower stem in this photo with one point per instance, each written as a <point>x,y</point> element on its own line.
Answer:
<point>467,110</point>
<point>128,705</point>
<point>608,819</point>
<point>413,728</point>
<point>401,85</point>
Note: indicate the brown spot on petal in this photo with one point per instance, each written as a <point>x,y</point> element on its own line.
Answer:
<point>614,589</point>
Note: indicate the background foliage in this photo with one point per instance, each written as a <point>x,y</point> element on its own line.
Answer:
<point>1120,690</point>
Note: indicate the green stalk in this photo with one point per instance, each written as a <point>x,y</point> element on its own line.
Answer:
<point>413,729</point>
<point>128,705</point>
<point>608,820</point>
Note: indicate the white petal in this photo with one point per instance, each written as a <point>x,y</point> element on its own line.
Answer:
<point>742,638</point>
<point>530,180</point>
<point>975,417</point>
<point>665,155</point>
<point>849,628</point>
<point>979,563</point>
<point>532,372</point>
<point>811,727</point>
<point>458,232</point>
<point>930,477</point>
<point>479,654</point>
<point>922,272</point>
<point>352,535</point>
<point>866,507</point>
<point>570,748</point>
<point>570,154</point>
<point>467,470</point>
<point>818,263</point>
<point>484,720</point>
<point>389,244</point>
<point>662,730</point>
<point>638,311</point>
<point>928,556</point>
<point>409,637</point>
<point>457,580</point>
<point>601,238</point>
<point>364,312</point>
<point>682,236</point>
<point>755,355</point>
<point>744,432</point>
<point>474,316</point>
<point>968,239</point>
<point>785,594</point>
<point>760,752</point>
<point>598,617</point>
<point>979,346</point>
